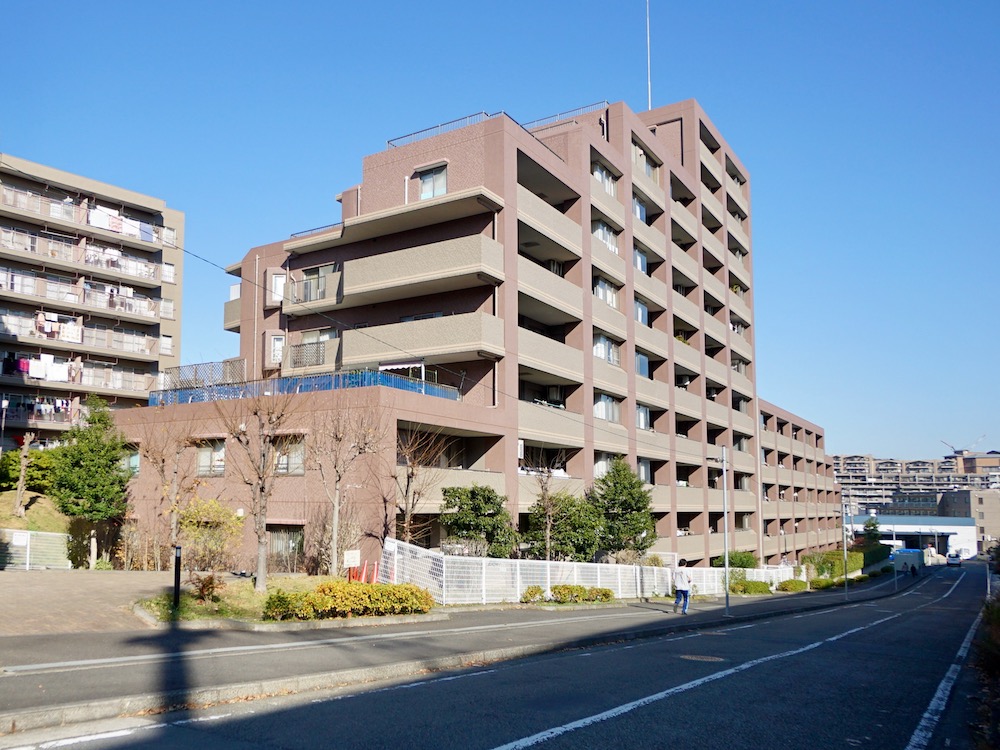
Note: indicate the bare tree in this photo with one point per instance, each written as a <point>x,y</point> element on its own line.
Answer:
<point>419,451</point>
<point>542,463</point>
<point>258,427</point>
<point>162,445</point>
<point>29,438</point>
<point>340,436</point>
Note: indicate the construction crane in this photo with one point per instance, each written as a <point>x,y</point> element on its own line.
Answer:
<point>959,451</point>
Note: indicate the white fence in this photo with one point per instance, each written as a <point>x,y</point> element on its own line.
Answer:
<point>484,580</point>
<point>33,550</point>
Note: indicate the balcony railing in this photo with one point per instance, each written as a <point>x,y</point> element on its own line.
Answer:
<point>96,216</point>
<point>331,381</point>
<point>67,251</point>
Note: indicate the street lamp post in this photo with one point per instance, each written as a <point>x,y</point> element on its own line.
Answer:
<point>3,421</point>
<point>847,508</point>
<point>725,522</point>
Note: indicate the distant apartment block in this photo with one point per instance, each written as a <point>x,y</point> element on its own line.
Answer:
<point>90,293</point>
<point>548,296</point>
<point>912,487</point>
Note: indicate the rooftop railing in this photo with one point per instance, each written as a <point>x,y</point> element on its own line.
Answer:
<point>331,381</point>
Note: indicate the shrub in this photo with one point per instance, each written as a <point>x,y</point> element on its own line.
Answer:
<point>792,584</point>
<point>596,594</point>
<point>652,560</point>
<point>860,579</point>
<point>532,594</point>
<point>818,584</point>
<point>887,568</point>
<point>737,559</point>
<point>102,564</point>
<point>567,593</point>
<point>206,587</point>
<point>750,587</point>
<point>875,574</point>
<point>343,599</point>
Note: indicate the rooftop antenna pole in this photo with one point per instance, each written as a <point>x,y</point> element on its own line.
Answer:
<point>649,77</point>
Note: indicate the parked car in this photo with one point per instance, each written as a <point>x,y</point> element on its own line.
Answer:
<point>954,559</point>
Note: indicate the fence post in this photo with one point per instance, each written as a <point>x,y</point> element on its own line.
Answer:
<point>27,553</point>
<point>517,578</point>
<point>638,585</point>
<point>484,581</point>
<point>619,577</point>
<point>395,560</point>
<point>444,579</point>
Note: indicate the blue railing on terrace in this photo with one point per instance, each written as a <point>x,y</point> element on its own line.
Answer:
<point>331,381</point>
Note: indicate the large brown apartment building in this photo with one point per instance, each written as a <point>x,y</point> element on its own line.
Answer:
<point>90,294</point>
<point>549,296</point>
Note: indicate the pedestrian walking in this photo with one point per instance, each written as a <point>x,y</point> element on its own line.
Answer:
<point>682,587</point>
<point>913,570</point>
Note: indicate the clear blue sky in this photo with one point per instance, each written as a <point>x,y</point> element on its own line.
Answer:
<point>869,129</point>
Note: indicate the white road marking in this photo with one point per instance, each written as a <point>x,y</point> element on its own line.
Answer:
<point>625,708</point>
<point>928,723</point>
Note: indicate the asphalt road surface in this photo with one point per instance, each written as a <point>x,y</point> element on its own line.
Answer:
<point>876,674</point>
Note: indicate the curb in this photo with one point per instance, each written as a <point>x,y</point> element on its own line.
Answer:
<point>276,627</point>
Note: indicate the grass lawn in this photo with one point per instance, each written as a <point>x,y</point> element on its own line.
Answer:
<point>42,514</point>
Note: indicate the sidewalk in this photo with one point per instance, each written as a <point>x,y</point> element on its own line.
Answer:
<point>41,602</point>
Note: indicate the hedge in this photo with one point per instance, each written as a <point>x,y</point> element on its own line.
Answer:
<point>831,563</point>
<point>343,599</point>
<point>793,584</point>
<point>749,587</point>
<point>567,593</point>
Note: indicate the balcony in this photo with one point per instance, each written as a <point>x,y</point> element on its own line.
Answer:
<point>714,247</point>
<point>232,313</point>
<point>37,330</point>
<point>684,218</point>
<point>685,308</point>
<point>649,186</point>
<point>96,220</point>
<point>461,263</point>
<point>437,479</point>
<point>543,218</point>
<point>655,291</point>
<point>735,191</point>
<point>717,371</point>
<point>711,163</point>
<point>546,297</point>
<point>310,358</point>
<point>683,262</point>
<point>608,377</point>
<point>733,227</point>
<point>712,203</point>
<point>59,294</point>
<point>716,329</point>
<point>653,341</point>
<point>688,404</point>
<point>687,355</point>
<point>653,393</point>
<point>549,425</point>
<point>56,253</point>
<point>609,319</point>
<point>454,338</point>
<point>741,346</point>
<point>606,203</point>
<point>549,356</point>
<point>651,237</point>
<point>653,444</point>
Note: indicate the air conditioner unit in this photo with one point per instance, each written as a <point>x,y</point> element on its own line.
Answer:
<point>520,449</point>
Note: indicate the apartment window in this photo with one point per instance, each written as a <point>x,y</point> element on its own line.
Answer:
<point>604,176</point>
<point>167,309</point>
<point>277,349</point>
<point>290,457</point>
<point>642,365</point>
<point>643,161</point>
<point>643,417</point>
<point>644,470</point>
<point>420,316</point>
<point>639,209</point>
<point>741,443</point>
<point>212,458</point>
<point>605,290</point>
<point>607,349</point>
<point>168,272</point>
<point>602,463</point>
<point>131,461</point>
<point>607,407</point>
<point>641,261</point>
<point>166,345</point>
<point>641,312</point>
<point>433,182</point>
<point>604,233</point>
<point>278,286</point>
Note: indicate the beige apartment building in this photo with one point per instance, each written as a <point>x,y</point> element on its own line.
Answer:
<point>549,296</point>
<point>90,295</point>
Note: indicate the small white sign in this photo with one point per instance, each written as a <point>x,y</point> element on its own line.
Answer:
<point>352,558</point>
<point>390,544</point>
<point>20,539</point>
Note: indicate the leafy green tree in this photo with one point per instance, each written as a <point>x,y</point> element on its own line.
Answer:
<point>737,559</point>
<point>38,475</point>
<point>872,533</point>
<point>479,513</point>
<point>209,532</point>
<point>568,523</point>
<point>88,475</point>
<point>624,504</point>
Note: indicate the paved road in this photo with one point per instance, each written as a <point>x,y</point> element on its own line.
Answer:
<point>170,667</point>
<point>769,682</point>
